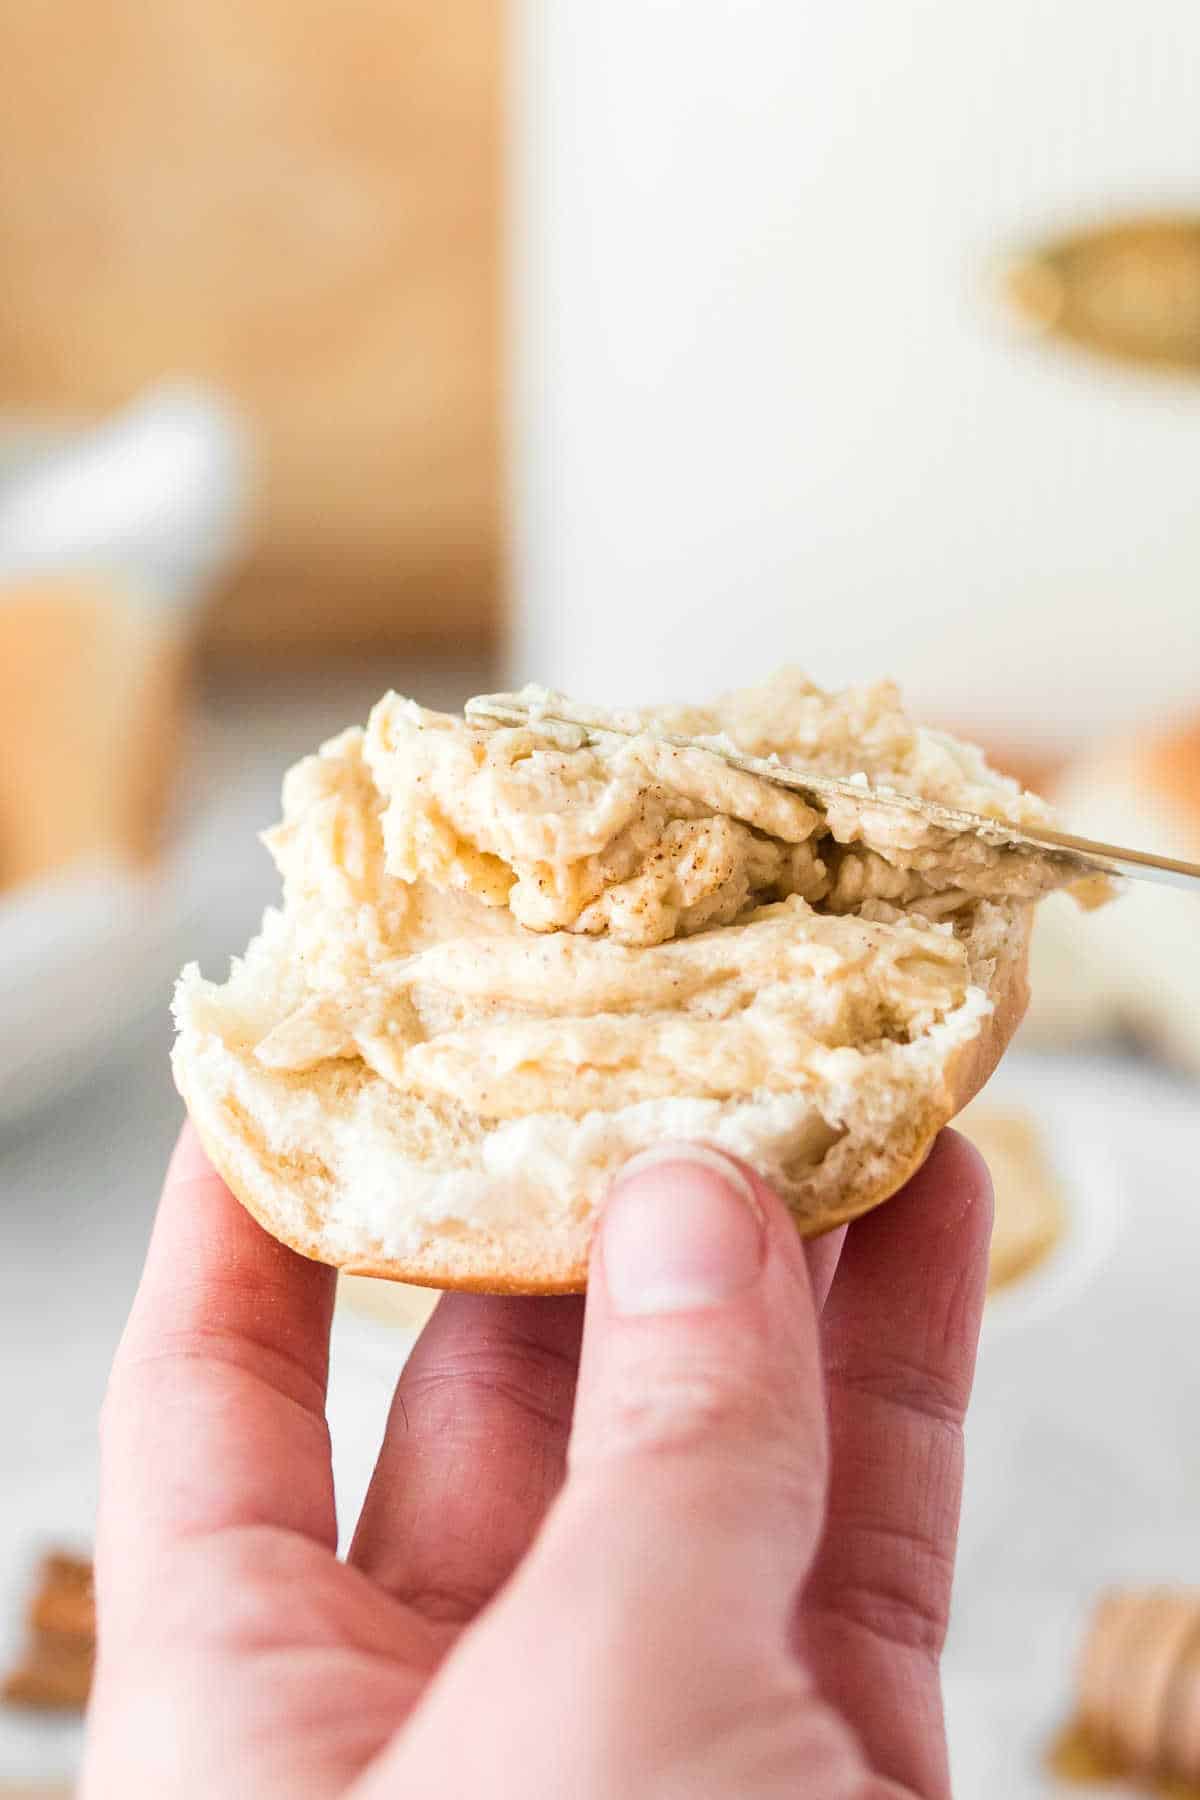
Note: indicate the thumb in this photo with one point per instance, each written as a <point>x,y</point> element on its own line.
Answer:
<point>699,1442</point>
<point>663,1583</point>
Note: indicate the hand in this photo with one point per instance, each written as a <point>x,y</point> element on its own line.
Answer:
<point>719,1564</point>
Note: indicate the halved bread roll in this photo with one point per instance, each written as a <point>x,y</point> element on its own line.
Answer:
<point>507,960</point>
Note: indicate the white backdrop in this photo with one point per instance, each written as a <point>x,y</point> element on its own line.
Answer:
<point>766,402</point>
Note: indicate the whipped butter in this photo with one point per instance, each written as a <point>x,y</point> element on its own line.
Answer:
<point>497,919</point>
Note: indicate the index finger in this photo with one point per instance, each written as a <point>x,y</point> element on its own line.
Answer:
<point>215,1412</point>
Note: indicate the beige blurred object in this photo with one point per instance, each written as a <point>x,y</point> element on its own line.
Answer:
<point>301,206</point>
<point>1138,1696</point>
<point>55,1670</point>
<point>1126,288</point>
<point>91,702</point>
<point>1134,966</point>
<point>1030,1215</point>
<point>387,1302</point>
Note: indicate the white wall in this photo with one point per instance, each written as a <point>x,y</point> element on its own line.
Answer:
<point>766,405</point>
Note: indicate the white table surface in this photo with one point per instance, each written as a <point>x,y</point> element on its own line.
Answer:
<point>1084,1443</point>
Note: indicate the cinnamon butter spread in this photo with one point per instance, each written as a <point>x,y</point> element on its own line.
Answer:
<point>516,921</point>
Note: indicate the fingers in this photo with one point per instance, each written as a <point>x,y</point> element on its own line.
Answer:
<point>215,1409</point>
<point>698,1453</point>
<point>473,1453</point>
<point>900,1329</point>
<point>662,1584</point>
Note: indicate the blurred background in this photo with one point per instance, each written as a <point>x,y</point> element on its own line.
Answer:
<point>636,349</point>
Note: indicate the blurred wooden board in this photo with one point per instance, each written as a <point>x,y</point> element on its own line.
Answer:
<point>300,204</point>
<point>91,707</point>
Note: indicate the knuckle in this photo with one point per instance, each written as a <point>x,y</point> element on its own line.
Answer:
<point>250,1613</point>
<point>212,1362</point>
<point>901,1621</point>
<point>899,1593</point>
<point>681,1406</point>
<point>710,1412</point>
<point>251,1566</point>
<point>523,1379</point>
<point>782,1728</point>
<point>450,1603</point>
<point>909,1386</point>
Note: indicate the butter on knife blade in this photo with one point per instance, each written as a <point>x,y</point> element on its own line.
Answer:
<point>1087,857</point>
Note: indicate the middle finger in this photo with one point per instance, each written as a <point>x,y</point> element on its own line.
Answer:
<point>473,1453</point>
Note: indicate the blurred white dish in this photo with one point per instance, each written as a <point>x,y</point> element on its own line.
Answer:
<point>1093,1217</point>
<point>83,959</point>
<point>153,501</point>
<point>156,498</point>
<point>79,958</point>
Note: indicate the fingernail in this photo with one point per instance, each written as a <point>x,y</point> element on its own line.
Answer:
<point>682,1229</point>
